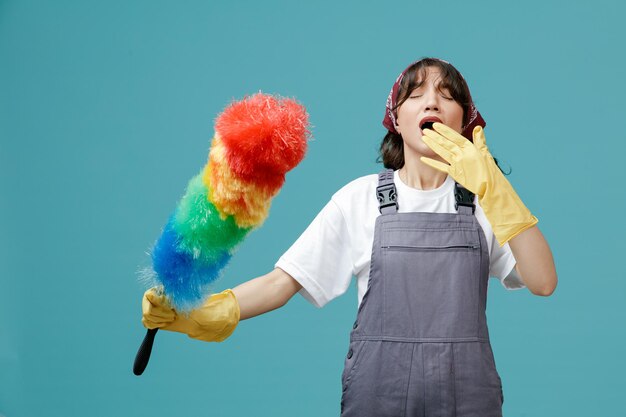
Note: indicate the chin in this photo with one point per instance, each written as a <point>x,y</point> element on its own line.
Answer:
<point>424,149</point>
<point>420,149</point>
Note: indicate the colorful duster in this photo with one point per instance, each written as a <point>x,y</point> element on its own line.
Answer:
<point>257,140</point>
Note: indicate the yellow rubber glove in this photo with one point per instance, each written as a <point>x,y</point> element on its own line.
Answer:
<point>212,322</point>
<point>472,166</point>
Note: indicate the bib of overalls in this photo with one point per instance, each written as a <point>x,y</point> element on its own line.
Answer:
<point>420,344</point>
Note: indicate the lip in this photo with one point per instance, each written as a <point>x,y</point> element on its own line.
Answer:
<point>429,119</point>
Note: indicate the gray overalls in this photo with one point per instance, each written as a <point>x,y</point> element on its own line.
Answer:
<point>420,344</point>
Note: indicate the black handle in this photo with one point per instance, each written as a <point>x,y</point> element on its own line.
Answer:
<point>143,354</point>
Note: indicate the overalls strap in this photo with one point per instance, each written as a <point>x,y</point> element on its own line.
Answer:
<point>388,197</point>
<point>464,200</point>
<point>386,193</point>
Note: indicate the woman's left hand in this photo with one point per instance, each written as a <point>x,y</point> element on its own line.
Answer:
<point>469,162</point>
<point>472,166</point>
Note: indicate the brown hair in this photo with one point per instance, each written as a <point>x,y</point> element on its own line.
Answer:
<point>392,147</point>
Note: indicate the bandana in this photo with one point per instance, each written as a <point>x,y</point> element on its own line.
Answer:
<point>475,119</point>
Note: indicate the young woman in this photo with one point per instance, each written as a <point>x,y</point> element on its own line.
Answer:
<point>422,237</point>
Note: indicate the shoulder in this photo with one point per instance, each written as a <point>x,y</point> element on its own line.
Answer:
<point>357,200</point>
<point>357,190</point>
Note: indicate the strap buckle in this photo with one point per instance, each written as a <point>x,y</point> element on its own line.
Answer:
<point>463,197</point>
<point>386,196</point>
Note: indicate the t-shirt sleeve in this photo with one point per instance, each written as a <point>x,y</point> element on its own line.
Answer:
<point>320,259</point>
<point>502,266</point>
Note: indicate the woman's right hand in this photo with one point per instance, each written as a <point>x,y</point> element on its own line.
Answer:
<point>157,312</point>
<point>214,321</point>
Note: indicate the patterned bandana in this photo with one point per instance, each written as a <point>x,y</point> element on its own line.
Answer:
<point>475,119</point>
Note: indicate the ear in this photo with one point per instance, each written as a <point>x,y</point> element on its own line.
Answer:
<point>395,125</point>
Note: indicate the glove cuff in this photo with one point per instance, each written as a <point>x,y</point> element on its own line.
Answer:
<point>217,319</point>
<point>505,211</point>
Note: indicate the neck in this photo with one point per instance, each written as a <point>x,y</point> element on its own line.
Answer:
<point>417,174</point>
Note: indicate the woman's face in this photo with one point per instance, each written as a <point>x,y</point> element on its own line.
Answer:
<point>427,103</point>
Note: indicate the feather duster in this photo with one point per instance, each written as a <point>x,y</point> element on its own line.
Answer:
<point>257,141</point>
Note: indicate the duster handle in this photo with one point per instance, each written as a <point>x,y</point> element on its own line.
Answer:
<point>143,354</point>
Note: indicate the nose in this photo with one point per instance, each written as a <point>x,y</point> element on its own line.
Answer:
<point>432,101</point>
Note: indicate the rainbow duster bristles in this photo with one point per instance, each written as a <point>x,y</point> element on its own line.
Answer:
<point>257,141</point>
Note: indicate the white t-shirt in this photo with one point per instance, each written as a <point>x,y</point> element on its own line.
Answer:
<point>337,245</point>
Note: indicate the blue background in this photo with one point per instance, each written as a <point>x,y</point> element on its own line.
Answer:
<point>107,109</point>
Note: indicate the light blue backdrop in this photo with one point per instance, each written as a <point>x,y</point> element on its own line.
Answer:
<point>107,111</point>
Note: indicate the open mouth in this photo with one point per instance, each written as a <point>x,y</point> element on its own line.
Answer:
<point>428,121</point>
<point>427,125</point>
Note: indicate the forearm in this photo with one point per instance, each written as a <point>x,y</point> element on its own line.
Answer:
<point>535,263</point>
<point>266,293</point>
